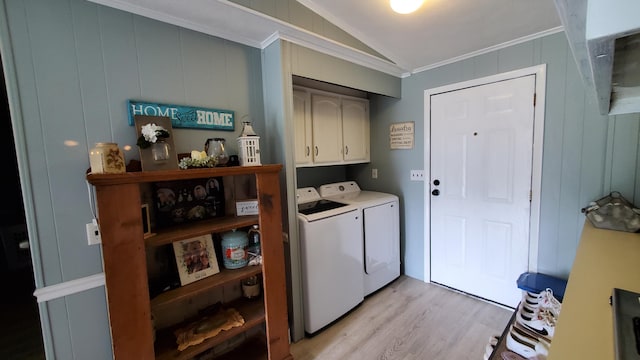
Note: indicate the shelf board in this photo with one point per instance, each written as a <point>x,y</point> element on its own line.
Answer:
<point>251,310</point>
<point>198,228</point>
<point>254,348</point>
<point>224,277</point>
<point>166,175</point>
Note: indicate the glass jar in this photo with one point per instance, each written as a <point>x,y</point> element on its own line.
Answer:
<point>106,158</point>
<point>254,242</point>
<point>215,147</point>
<point>234,249</point>
<point>160,151</point>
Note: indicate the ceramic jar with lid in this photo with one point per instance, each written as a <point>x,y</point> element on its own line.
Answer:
<point>234,249</point>
<point>106,158</point>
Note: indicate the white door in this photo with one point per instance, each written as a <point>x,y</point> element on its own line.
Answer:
<point>355,129</point>
<point>481,167</point>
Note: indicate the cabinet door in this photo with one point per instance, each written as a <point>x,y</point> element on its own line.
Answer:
<point>302,125</point>
<point>327,129</point>
<point>355,130</point>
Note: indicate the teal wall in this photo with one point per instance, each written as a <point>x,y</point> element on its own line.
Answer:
<point>585,155</point>
<point>73,65</point>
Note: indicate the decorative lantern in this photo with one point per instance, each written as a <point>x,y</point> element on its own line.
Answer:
<point>248,146</point>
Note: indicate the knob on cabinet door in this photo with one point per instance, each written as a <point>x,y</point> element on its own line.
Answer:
<point>435,192</point>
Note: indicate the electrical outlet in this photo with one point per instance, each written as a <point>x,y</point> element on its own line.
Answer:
<point>93,233</point>
<point>374,173</point>
<point>417,175</point>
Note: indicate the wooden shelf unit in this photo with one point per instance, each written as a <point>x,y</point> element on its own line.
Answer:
<point>125,268</point>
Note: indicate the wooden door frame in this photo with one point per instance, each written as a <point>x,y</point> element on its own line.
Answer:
<point>539,71</point>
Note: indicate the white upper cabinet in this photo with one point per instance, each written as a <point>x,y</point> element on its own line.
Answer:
<point>355,130</point>
<point>302,124</point>
<point>327,129</point>
<point>330,129</point>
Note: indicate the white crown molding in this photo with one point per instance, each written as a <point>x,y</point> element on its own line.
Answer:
<point>261,30</point>
<point>66,288</point>
<point>344,25</point>
<point>264,31</point>
<point>490,49</point>
<point>335,49</point>
<point>308,39</point>
<point>213,30</point>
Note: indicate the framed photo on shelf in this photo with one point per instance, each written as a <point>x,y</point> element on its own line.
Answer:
<point>160,155</point>
<point>146,221</point>
<point>195,258</point>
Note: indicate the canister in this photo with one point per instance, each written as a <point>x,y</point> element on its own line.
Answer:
<point>106,158</point>
<point>234,249</point>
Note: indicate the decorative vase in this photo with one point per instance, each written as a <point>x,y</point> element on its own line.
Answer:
<point>160,151</point>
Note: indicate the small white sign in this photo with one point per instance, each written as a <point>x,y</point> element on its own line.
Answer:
<point>248,207</point>
<point>401,135</point>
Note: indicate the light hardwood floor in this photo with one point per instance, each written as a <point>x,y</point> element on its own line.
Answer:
<point>409,320</point>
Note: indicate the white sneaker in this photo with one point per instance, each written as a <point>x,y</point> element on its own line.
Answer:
<point>529,335</point>
<point>488,350</point>
<point>525,347</point>
<point>542,322</point>
<point>544,299</point>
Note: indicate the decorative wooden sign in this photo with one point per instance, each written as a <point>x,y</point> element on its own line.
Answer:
<point>401,135</point>
<point>184,116</point>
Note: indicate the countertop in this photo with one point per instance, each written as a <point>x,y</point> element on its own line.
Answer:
<point>605,259</point>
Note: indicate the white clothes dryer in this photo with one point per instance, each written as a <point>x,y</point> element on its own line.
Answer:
<point>331,255</point>
<point>381,230</point>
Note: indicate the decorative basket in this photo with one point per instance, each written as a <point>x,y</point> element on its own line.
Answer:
<point>613,212</point>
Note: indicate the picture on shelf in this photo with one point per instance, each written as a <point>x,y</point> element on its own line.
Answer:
<point>155,142</point>
<point>179,202</point>
<point>195,258</point>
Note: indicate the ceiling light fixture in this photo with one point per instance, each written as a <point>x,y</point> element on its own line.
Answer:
<point>405,6</point>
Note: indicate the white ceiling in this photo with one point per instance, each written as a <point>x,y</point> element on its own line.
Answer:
<point>439,32</point>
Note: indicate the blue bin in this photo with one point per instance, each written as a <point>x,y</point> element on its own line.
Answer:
<point>536,282</point>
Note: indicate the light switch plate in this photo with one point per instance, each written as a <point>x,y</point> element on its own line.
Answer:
<point>417,175</point>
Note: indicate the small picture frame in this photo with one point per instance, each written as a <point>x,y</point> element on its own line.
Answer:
<point>146,221</point>
<point>247,207</point>
<point>195,259</point>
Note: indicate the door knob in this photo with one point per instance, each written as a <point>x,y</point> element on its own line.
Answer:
<point>435,192</point>
<point>436,182</point>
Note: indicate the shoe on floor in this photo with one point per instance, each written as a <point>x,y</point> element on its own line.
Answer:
<point>544,299</point>
<point>510,355</point>
<point>530,335</point>
<point>542,322</point>
<point>523,346</point>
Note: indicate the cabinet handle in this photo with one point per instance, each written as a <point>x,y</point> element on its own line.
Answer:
<point>316,151</point>
<point>308,150</point>
<point>346,150</point>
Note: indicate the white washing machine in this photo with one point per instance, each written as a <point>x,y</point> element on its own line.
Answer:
<point>331,255</point>
<point>381,230</point>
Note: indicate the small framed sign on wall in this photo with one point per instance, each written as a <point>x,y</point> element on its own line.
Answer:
<point>401,135</point>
